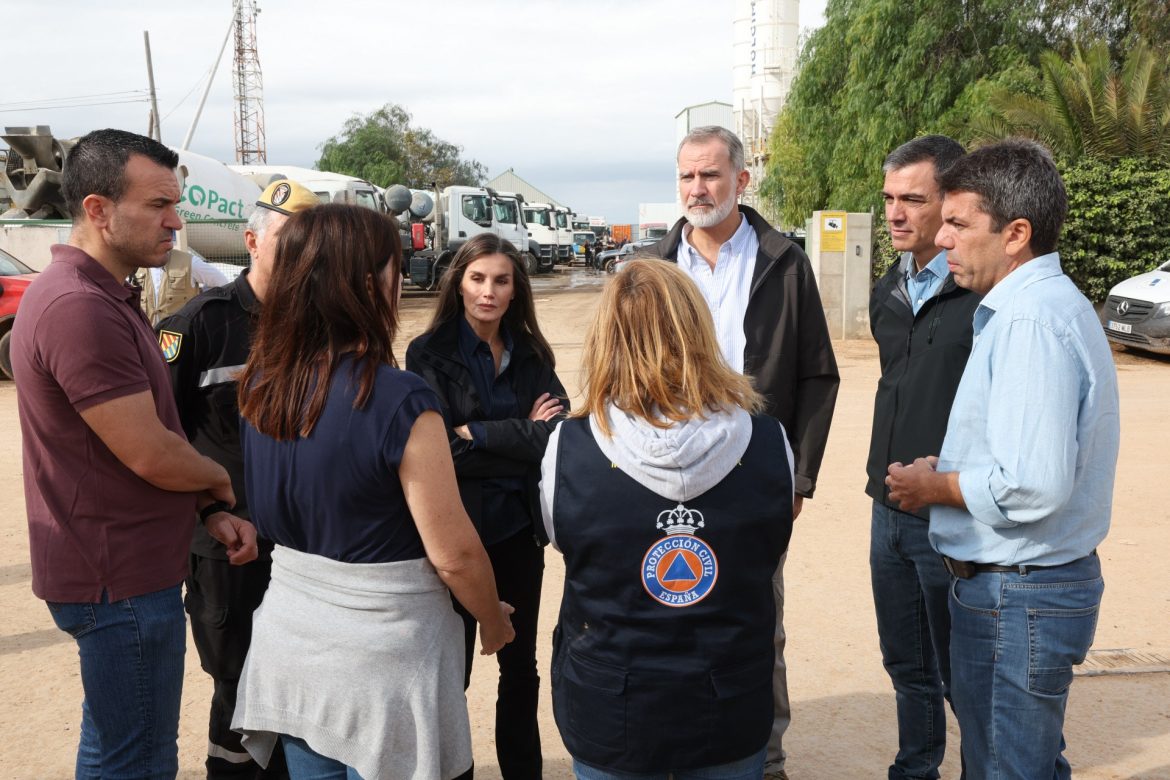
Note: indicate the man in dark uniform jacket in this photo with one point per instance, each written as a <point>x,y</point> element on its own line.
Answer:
<point>206,345</point>
<point>922,323</point>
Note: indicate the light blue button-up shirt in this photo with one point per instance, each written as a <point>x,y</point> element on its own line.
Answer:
<point>726,287</point>
<point>1034,429</point>
<point>923,285</point>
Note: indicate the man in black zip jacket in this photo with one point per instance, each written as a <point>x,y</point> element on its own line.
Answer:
<point>922,323</point>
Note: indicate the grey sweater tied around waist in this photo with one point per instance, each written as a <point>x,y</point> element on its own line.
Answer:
<point>362,661</point>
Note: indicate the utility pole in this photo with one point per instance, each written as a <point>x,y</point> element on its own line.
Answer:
<point>155,131</point>
<point>249,88</point>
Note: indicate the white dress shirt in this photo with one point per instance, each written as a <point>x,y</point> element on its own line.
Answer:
<point>725,287</point>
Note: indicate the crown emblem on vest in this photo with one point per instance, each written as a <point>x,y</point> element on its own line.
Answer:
<point>680,520</point>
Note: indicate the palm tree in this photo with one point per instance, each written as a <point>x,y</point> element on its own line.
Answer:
<point>1089,107</point>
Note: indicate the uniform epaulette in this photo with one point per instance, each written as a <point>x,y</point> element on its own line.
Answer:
<point>196,304</point>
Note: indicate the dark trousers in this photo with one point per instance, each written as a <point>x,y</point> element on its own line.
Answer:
<point>221,599</point>
<point>519,567</point>
<point>910,590</point>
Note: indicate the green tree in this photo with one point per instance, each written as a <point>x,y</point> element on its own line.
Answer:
<point>384,148</point>
<point>880,72</point>
<point>1090,107</point>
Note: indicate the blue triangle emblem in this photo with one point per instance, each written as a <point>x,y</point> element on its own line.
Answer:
<point>679,569</point>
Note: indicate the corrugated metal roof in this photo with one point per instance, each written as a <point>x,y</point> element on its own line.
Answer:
<point>702,105</point>
<point>509,181</point>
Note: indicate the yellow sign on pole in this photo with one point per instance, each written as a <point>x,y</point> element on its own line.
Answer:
<point>832,229</point>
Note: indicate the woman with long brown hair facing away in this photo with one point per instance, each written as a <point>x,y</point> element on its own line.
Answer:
<point>493,370</point>
<point>672,504</point>
<point>356,657</point>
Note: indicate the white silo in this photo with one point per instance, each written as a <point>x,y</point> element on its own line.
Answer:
<point>765,36</point>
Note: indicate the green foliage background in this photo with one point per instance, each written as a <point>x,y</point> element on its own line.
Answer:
<point>1119,221</point>
<point>880,72</point>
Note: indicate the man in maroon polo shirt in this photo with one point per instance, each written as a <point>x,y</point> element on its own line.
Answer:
<point>111,484</point>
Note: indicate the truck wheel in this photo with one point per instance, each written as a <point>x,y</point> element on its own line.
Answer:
<point>531,264</point>
<point>6,354</point>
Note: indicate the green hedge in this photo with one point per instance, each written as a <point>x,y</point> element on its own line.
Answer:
<point>1118,222</point>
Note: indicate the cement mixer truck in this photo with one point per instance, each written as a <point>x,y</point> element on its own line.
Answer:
<point>31,179</point>
<point>460,213</point>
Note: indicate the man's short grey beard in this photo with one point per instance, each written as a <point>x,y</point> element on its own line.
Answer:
<point>713,217</point>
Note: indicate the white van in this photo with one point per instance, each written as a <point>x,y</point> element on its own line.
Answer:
<point>1137,311</point>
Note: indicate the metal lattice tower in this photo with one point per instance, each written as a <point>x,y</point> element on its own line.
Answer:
<point>249,88</point>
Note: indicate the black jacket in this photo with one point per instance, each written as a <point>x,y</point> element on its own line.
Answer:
<point>788,354</point>
<point>922,357</point>
<point>515,447</point>
<point>215,336</point>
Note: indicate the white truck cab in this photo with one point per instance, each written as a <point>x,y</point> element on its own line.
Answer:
<point>564,234</point>
<point>542,226</point>
<point>329,187</point>
<point>509,208</point>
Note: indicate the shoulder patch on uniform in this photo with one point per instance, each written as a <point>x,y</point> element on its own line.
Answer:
<point>170,342</point>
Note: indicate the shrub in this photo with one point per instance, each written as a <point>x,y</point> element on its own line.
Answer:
<point>1118,223</point>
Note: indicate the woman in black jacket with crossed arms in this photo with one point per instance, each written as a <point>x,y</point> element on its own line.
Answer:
<point>493,370</point>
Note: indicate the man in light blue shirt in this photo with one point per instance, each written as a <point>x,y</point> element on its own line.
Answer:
<point>1022,490</point>
<point>922,285</point>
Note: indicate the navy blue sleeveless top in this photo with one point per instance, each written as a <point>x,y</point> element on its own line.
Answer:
<point>335,492</point>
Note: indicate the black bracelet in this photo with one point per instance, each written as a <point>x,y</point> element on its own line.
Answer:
<point>211,509</point>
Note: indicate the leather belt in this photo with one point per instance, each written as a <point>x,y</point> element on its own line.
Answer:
<point>965,570</point>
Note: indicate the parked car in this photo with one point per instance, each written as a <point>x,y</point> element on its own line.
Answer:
<point>1137,311</point>
<point>614,264</point>
<point>15,277</point>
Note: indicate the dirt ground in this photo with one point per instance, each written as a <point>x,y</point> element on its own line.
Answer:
<point>1118,726</point>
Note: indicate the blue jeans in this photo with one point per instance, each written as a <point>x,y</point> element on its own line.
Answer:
<point>750,768</point>
<point>1014,641</point>
<point>910,588</point>
<point>132,675</point>
<point>304,763</point>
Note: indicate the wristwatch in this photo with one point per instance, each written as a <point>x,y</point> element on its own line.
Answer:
<point>211,509</point>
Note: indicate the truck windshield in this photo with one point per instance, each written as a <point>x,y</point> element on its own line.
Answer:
<point>475,208</point>
<point>505,211</point>
<point>368,199</point>
<point>536,217</point>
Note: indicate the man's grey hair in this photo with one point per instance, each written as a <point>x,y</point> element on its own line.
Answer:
<point>259,221</point>
<point>937,149</point>
<point>1014,179</point>
<point>702,135</point>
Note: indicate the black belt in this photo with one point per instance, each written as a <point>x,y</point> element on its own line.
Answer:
<point>965,570</point>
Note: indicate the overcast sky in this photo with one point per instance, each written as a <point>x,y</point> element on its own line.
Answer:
<point>578,96</point>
